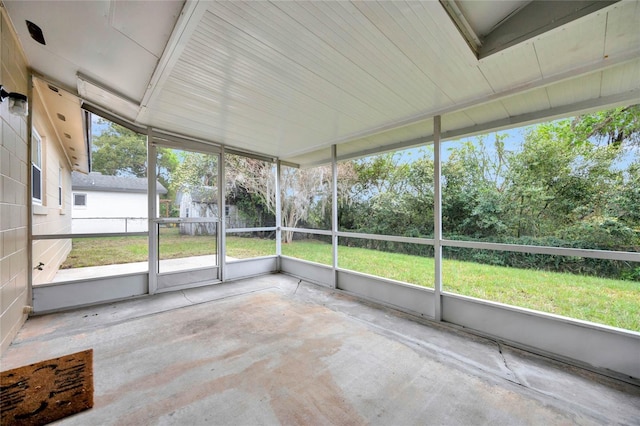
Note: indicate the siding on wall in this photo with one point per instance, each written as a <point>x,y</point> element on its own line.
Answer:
<point>49,217</point>
<point>111,212</point>
<point>113,204</point>
<point>14,160</point>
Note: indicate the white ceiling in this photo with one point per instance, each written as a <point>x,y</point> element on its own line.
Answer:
<point>289,79</point>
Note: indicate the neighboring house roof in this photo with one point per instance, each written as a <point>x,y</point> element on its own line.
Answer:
<point>96,181</point>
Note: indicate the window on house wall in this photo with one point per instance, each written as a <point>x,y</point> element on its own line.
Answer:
<point>60,187</point>
<point>36,167</point>
<point>80,200</point>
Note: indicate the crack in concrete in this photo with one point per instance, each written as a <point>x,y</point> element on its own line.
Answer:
<point>185,296</point>
<point>297,287</point>
<point>504,361</point>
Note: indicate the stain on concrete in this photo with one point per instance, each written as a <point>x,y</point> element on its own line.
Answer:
<point>290,376</point>
<point>277,357</point>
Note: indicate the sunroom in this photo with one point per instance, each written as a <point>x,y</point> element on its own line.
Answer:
<point>389,152</point>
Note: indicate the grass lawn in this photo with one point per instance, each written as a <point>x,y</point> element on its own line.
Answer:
<point>600,300</point>
<point>115,250</point>
<point>106,251</point>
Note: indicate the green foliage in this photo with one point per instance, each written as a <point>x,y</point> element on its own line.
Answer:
<point>625,202</point>
<point>473,200</point>
<point>570,264</point>
<point>615,126</point>
<point>195,170</point>
<point>391,196</point>
<point>118,151</point>
<point>166,164</point>
<point>251,208</point>
<point>562,187</point>
<point>570,183</point>
<point>605,232</point>
<point>558,179</point>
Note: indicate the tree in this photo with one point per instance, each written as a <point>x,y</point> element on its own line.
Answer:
<point>251,187</point>
<point>119,151</point>
<point>474,183</point>
<point>301,189</point>
<point>626,205</point>
<point>616,126</point>
<point>253,176</point>
<point>390,194</point>
<point>305,193</point>
<point>559,178</point>
<point>166,164</point>
<point>196,170</point>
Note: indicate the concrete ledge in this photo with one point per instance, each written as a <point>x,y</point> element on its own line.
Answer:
<point>409,298</point>
<point>244,268</point>
<point>601,348</point>
<point>312,272</point>
<point>60,296</point>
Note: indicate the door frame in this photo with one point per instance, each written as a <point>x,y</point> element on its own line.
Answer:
<point>153,143</point>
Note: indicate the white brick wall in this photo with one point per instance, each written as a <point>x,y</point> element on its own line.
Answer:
<point>14,291</point>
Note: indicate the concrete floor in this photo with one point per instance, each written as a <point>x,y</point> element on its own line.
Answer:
<point>273,350</point>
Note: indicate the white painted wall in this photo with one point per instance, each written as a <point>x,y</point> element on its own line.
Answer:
<point>111,212</point>
<point>111,204</point>
<point>49,216</point>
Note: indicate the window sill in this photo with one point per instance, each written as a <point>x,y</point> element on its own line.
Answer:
<point>40,210</point>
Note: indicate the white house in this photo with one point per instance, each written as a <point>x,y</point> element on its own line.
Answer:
<point>202,202</point>
<point>104,203</point>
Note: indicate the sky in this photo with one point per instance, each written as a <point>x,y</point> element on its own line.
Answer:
<point>514,138</point>
<point>513,141</point>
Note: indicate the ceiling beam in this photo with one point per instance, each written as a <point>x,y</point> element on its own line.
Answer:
<point>629,97</point>
<point>625,98</point>
<point>595,66</point>
<point>536,18</point>
<point>190,17</point>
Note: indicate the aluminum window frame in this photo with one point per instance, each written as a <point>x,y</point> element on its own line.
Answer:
<point>36,165</point>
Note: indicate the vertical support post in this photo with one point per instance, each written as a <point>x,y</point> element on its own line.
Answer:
<point>222,214</point>
<point>437,219</point>
<point>152,155</point>
<point>29,189</point>
<point>334,213</point>
<point>278,215</point>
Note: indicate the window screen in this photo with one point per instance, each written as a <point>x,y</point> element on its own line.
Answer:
<point>80,200</point>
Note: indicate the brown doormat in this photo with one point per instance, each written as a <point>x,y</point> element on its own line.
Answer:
<point>46,391</point>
